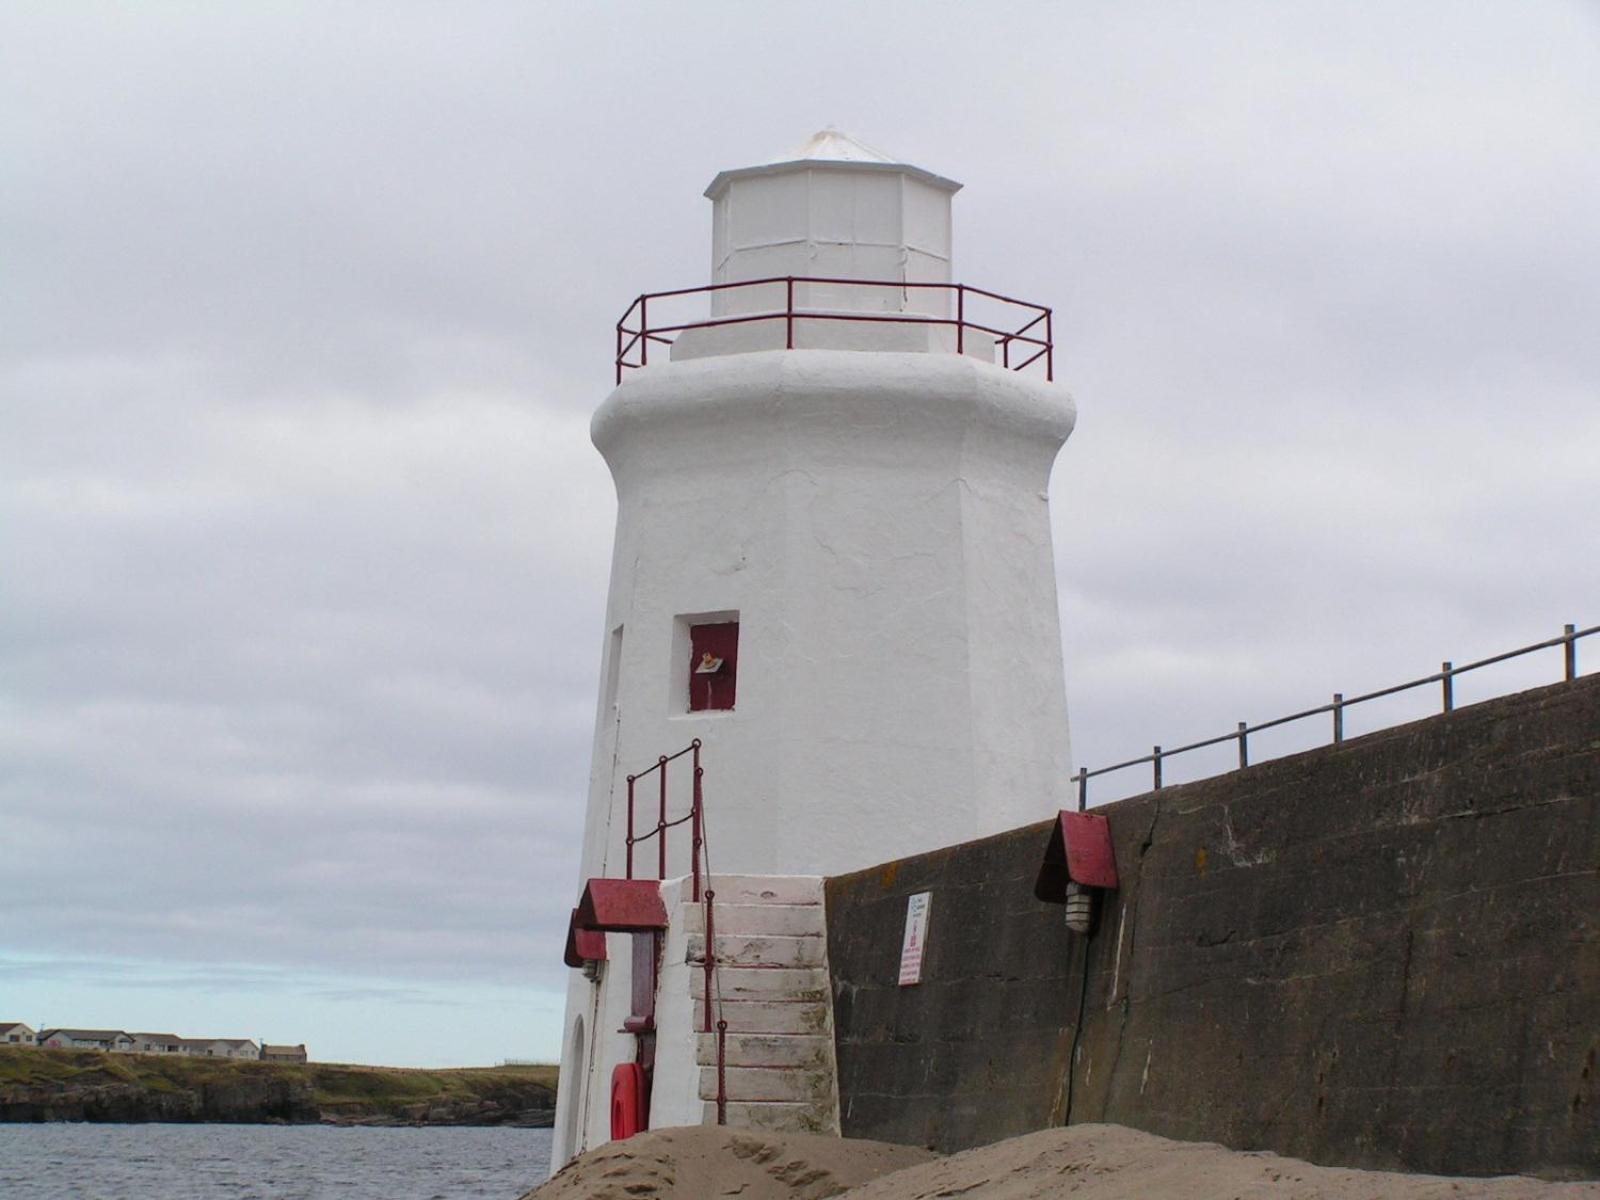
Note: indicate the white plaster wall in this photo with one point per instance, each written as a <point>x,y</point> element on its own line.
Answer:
<point>603,1005</point>
<point>571,1084</point>
<point>675,1091</point>
<point>879,522</point>
<point>819,333</point>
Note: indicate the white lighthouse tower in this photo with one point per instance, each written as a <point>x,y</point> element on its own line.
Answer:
<point>833,562</point>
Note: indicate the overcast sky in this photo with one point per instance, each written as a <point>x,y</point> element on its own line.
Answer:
<point>304,310</point>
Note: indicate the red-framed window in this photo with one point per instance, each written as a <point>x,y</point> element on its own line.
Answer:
<point>713,665</point>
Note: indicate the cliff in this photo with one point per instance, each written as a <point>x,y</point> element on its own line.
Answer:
<point>90,1085</point>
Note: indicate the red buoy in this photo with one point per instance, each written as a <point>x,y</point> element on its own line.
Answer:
<point>629,1104</point>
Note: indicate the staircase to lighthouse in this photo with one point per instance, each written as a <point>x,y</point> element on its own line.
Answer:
<point>769,985</point>
<point>832,571</point>
<point>729,996</point>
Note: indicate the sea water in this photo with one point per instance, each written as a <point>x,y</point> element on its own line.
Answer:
<point>71,1161</point>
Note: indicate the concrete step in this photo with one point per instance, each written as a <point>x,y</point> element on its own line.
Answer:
<point>804,984</point>
<point>771,1016</point>
<point>776,920</point>
<point>812,1052</point>
<point>775,1117</point>
<point>764,889</point>
<point>769,1083</point>
<point>744,950</point>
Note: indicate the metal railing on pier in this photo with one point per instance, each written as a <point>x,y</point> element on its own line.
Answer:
<point>1445,677</point>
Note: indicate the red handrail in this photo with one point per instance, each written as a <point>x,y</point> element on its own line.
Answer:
<point>696,817</point>
<point>720,1026</point>
<point>630,337</point>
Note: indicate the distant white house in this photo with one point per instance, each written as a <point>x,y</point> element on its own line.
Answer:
<point>138,1043</point>
<point>219,1047</point>
<point>291,1054</point>
<point>86,1039</point>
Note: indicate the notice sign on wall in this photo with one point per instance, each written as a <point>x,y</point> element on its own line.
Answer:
<point>916,938</point>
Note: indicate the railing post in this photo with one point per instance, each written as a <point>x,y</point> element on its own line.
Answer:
<point>1083,789</point>
<point>1156,763</point>
<point>722,1072</point>
<point>696,819</point>
<point>710,955</point>
<point>1049,349</point>
<point>1570,651</point>
<point>1338,717</point>
<point>1447,683</point>
<point>630,825</point>
<point>619,352</point>
<point>788,313</point>
<point>644,331</point>
<point>961,318</point>
<point>661,822</point>
<point>1244,746</point>
<point>1005,353</point>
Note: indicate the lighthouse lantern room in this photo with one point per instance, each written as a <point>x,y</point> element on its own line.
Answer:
<point>832,589</point>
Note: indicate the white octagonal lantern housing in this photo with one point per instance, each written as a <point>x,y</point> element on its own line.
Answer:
<point>837,209</point>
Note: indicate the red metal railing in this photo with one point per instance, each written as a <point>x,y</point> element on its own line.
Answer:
<point>695,815</point>
<point>698,856</point>
<point>635,333</point>
<point>721,1026</point>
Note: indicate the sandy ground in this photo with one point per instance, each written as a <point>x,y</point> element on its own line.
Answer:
<point>1090,1162</point>
<point>705,1162</point>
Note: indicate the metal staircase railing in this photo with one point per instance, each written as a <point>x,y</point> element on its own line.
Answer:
<point>695,815</point>
<point>699,857</point>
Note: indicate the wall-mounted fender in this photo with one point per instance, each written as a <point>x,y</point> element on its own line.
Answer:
<point>630,1101</point>
<point>1079,863</point>
<point>1079,852</point>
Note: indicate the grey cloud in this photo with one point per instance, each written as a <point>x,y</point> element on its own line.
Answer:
<point>302,545</point>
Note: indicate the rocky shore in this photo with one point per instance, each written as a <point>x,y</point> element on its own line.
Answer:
<point>89,1085</point>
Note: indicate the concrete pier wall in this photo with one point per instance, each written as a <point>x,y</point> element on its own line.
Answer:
<point>1380,954</point>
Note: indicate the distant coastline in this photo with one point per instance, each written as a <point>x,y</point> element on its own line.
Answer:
<point>38,1085</point>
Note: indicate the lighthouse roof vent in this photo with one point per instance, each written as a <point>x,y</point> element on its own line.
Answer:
<point>836,146</point>
<point>826,147</point>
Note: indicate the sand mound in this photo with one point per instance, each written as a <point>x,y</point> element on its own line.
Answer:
<point>1109,1162</point>
<point>702,1163</point>
<point>1090,1162</point>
